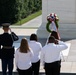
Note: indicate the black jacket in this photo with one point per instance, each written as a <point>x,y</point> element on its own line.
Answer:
<point>6,40</point>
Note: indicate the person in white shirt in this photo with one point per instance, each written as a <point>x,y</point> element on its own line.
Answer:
<point>23,57</point>
<point>36,47</point>
<point>50,56</point>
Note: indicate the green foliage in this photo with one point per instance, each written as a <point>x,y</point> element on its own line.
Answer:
<point>47,26</point>
<point>6,10</point>
<point>30,17</point>
<point>15,10</point>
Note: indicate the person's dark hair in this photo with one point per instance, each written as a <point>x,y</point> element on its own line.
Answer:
<point>51,39</point>
<point>24,47</point>
<point>55,34</point>
<point>33,37</point>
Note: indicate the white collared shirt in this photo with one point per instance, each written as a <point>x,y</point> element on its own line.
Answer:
<point>51,52</point>
<point>36,47</point>
<point>23,60</point>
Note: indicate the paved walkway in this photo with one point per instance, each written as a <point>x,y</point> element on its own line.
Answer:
<point>69,65</point>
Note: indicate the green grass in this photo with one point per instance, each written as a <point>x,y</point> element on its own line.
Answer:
<point>28,18</point>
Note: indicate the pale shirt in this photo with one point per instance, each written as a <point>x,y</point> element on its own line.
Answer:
<point>36,47</point>
<point>23,60</point>
<point>51,52</point>
<point>53,26</point>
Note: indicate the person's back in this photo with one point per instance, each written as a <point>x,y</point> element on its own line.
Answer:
<point>23,60</point>
<point>36,47</point>
<point>6,39</point>
<point>7,49</point>
<point>50,56</point>
<point>52,52</point>
<point>23,57</point>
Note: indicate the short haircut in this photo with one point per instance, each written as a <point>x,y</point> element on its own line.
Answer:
<point>33,37</point>
<point>51,39</point>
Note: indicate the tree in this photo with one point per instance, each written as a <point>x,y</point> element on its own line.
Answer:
<point>15,10</point>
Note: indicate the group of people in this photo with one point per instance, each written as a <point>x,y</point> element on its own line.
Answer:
<point>30,54</point>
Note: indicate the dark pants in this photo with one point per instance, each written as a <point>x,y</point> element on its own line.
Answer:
<point>53,68</point>
<point>35,68</point>
<point>7,63</point>
<point>25,72</point>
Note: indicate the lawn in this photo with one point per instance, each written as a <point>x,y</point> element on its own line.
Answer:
<point>28,18</point>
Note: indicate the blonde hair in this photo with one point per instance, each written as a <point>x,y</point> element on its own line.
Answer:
<point>24,47</point>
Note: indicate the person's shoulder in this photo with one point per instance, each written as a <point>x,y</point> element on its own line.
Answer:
<point>38,43</point>
<point>31,51</point>
<point>44,47</point>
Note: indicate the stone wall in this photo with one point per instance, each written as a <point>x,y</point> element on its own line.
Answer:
<point>66,10</point>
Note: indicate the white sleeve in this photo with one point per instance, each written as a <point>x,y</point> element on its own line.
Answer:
<point>40,47</point>
<point>32,54</point>
<point>42,55</point>
<point>16,58</point>
<point>62,45</point>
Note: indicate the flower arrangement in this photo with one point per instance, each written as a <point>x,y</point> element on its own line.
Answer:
<point>52,18</point>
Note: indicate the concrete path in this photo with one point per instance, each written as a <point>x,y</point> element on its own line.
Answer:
<point>34,23</point>
<point>68,67</point>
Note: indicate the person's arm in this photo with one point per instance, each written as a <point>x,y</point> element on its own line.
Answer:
<point>16,58</point>
<point>0,50</point>
<point>61,45</point>
<point>0,47</point>
<point>40,45</point>
<point>32,54</point>
<point>13,35</point>
<point>42,55</point>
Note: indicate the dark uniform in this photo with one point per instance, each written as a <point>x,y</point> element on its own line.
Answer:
<point>7,50</point>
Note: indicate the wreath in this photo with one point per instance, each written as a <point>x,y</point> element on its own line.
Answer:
<point>52,18</point>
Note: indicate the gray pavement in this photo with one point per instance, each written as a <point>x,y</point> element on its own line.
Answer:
<point>68,67</point>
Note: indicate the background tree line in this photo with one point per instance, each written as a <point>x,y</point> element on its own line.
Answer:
<point>15,10</point>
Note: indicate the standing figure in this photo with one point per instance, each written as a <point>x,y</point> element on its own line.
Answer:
<point>23,57</point>
<point>52,24</point>
<point>36,47</point>
<point>50,56</point>
<point>7,49</point>
<point>55,34</point>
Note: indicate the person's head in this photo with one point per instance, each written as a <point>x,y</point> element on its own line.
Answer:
<point>6,26</point>
<point>51,39</point>
<point>33,37</point>
<point>24,47</point>
<point>55,34</point>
